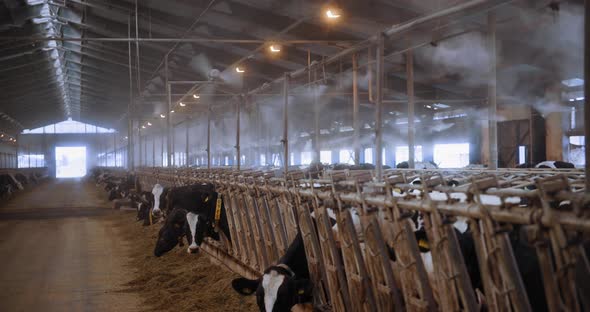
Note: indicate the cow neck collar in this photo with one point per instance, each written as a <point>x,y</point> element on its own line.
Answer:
<point>283,269</point>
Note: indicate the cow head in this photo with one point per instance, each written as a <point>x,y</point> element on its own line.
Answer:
<point>145,201</point>
<point>159,199</point>
<point>171,233</point>
<point>278,290</point>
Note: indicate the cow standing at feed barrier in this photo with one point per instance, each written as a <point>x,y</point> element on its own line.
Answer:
<point>284,286</point>
<point>194,211</point>
<point>548,164</point>
<point>524,252</point>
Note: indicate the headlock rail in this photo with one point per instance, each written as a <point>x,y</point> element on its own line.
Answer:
<point>372,259</point>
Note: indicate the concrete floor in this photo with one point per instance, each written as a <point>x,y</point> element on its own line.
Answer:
<point>59,252</point>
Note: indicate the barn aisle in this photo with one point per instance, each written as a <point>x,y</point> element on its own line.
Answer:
<point>60,251</point>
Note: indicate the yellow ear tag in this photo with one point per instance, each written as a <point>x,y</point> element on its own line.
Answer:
<point>218,210</point>
<point>300,292</point>
<point>207,199</point>
<point>423,243</point>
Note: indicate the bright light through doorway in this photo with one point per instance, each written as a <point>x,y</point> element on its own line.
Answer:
<point>70,162</point>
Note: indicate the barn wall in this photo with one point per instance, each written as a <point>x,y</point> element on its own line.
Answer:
<point>8,155</point>
<point>45,144</point>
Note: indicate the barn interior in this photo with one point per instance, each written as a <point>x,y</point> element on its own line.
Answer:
<point>268,92</point>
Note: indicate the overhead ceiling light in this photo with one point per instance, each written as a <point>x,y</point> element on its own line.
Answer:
<point>196,96</point>
<point>142,127</point>
<point>149,123</point>
<point>162,116</point>
<point>1,136</point>
<point>182,104</point>
<point>172,111</point>
<point>126,138</point>
<point>332,12</point>
<point>274,48</point>
<point>240,70</point>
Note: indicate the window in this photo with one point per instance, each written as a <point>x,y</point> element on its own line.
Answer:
<point>164,160</point>
<point>226,160</point>
<point>521,154</point>
<point>306,158</point>
<point>276,160</point>
<point>31,161</point>
<point>263,159</point>
<point>402,153</point>
<point>292,159</point>
<point>346,156</point>
<point>451,155</point>
<point>573,118</point>
<point>326,157</point>
<point>577,151</point>
<point>577,140</point>
<point>369,155</point>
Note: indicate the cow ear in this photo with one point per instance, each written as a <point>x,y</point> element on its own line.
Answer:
<point>244,286</point>
<point>304,287</point>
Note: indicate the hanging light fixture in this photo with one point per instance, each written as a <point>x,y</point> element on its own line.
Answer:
<point>332,11</point>
<point>182,104</point>
<point>196,96</point>
<point>240,70</point>
<point>142,127</point>
<point>275,48</point>
<point>172,111</point>
<point>162,116</point>
<point>149,123</point>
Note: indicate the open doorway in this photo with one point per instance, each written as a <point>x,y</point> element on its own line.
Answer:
<point>70,161</point>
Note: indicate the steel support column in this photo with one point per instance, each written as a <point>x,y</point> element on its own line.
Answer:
<point>285,140</point>
<point>355,110</point>
<point>238,153</point>
<point>169,101</point>
<point>130,155</point>
<point>186,147</point>
<point>145,151</point>
<point>411,115</point>
<point>379,108</point>
<point>587,91</point>
<point>492,105</point>
<point>316,123</point>
<point>209,136</point>
<point>140,164</point>
<point>115,147</point>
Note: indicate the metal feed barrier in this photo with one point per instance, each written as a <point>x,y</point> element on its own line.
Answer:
<point>352,269</point>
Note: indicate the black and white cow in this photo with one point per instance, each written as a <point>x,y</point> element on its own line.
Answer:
<point>548,164</point>
<point>172,233</point>
<point>524,253</point>
<point>205,214</point>
<point>144,202</point>
<point>284,286</point>
<point>7,185</point>
<point>160,194</point>
<point>418,165</point>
